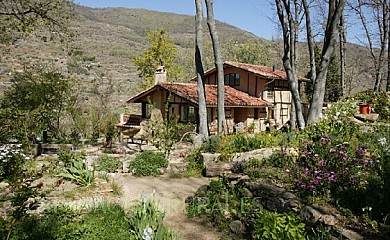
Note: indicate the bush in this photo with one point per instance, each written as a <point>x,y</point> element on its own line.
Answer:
<point>148,163</point>
<point>328,167</point>
<point>146,222</point>
<point>273,225</point>
<point>244,142</point>
<point>108,164</point>
<point>105,221</point>
<point>195,164</point>
<point>76,169</point>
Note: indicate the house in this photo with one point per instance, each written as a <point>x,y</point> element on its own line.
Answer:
<point>256,97</point>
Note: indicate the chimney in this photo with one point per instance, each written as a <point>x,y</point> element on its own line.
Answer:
<point>161,75</point>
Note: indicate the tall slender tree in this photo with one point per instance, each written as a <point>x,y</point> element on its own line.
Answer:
<point>203,126</point>
<point>222,127</point>
<point>285,15</point>
<point>335,10</point>
<point>318,73</point>
<point>378,12</point>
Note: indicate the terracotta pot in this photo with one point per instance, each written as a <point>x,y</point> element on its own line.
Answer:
<point>364,108</point>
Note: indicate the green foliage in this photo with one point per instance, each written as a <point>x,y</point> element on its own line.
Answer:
<point>379,101</point>
<point>195,164</point>
<point>148,163</point>
<point>273,225</point>
<point>244,142</point>
<point>221,203</point>
<point>165,132</point>
<point>161,51</point>
<point>104,221</point>
<point>333,91</point>
<point>29,16</point>
<point>146,222</point>
<point>76,169</point>
<point>108,164</point>
<point>37,101</point>
<point>12,158</point>
<point>212,144</point>
<point>249,51</point>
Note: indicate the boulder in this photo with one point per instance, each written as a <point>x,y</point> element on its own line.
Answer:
<point>237,227</point>
<point>209,157</point>
<point>311,215</point>
<point>218,169</point>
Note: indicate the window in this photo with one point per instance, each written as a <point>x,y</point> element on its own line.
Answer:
<point>232,79</point>
<point>187,114</point>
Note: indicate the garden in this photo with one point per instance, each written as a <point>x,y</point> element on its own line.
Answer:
<point>330,181</point>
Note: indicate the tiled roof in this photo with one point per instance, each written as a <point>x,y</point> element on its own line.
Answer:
<point>233,97</point>
<point>266,72</point>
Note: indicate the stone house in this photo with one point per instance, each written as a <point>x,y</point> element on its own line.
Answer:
<point>256,97</point>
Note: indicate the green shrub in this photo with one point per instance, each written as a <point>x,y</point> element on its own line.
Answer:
<point>195,164</point>
<point>148,163</point>
<point>76,170</point>
<point>244,142</point>
<point>104,221</point>
<point>146,222</point>
<point>273,225</point>
<point>212,144</point>
<point>108,164</point>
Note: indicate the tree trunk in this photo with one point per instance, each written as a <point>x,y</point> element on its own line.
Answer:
<point>343,40</point>
<point>388,59</point>
<point>222,127</point>
<point>336,8</point>
<point>202,110</point>
<point>381,12</point>
<point>288,60</point>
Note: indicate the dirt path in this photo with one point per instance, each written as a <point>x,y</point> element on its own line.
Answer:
<point>170,194</point>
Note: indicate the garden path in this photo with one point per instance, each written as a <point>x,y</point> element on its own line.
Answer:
<point>170,193</point>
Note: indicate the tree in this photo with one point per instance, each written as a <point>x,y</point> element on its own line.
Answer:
<point>203,126</point>
<point>249,51</point>
<point>333,91</point>
<point>162,51</point>
<point>222,127</point>
<point>36,101</point>
<point>289,29</point>
<point>335,10</point>
<point>285,10</point>
<point>29,16</point>
<point>377,34</point>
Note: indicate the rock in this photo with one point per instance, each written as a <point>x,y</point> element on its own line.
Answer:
<point>237,227</point>
<point>233,177</point>
<point>349,234</point>
<point>218,169</point>
<point>257,154</point>
<point>202,190</point>
<point>198,140</point>
<point>329,220</point>
<point>209,157</point>
<point>247,193</point>
<point>311,215</point>
<point>372,117</point>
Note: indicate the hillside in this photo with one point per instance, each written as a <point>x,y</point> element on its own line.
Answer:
<point>106,41</point>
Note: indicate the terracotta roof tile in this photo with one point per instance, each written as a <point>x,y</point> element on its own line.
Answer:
<point>233,97</point>
<point>266,72</point>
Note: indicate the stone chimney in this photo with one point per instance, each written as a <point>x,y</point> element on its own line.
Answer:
<point>161,75</point>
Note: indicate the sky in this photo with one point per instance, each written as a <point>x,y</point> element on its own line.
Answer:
<point>250,15</point>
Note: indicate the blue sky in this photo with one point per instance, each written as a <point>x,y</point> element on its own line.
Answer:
<point>250,15</point>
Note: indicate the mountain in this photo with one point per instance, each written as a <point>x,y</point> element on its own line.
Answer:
<point>107,39</point>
